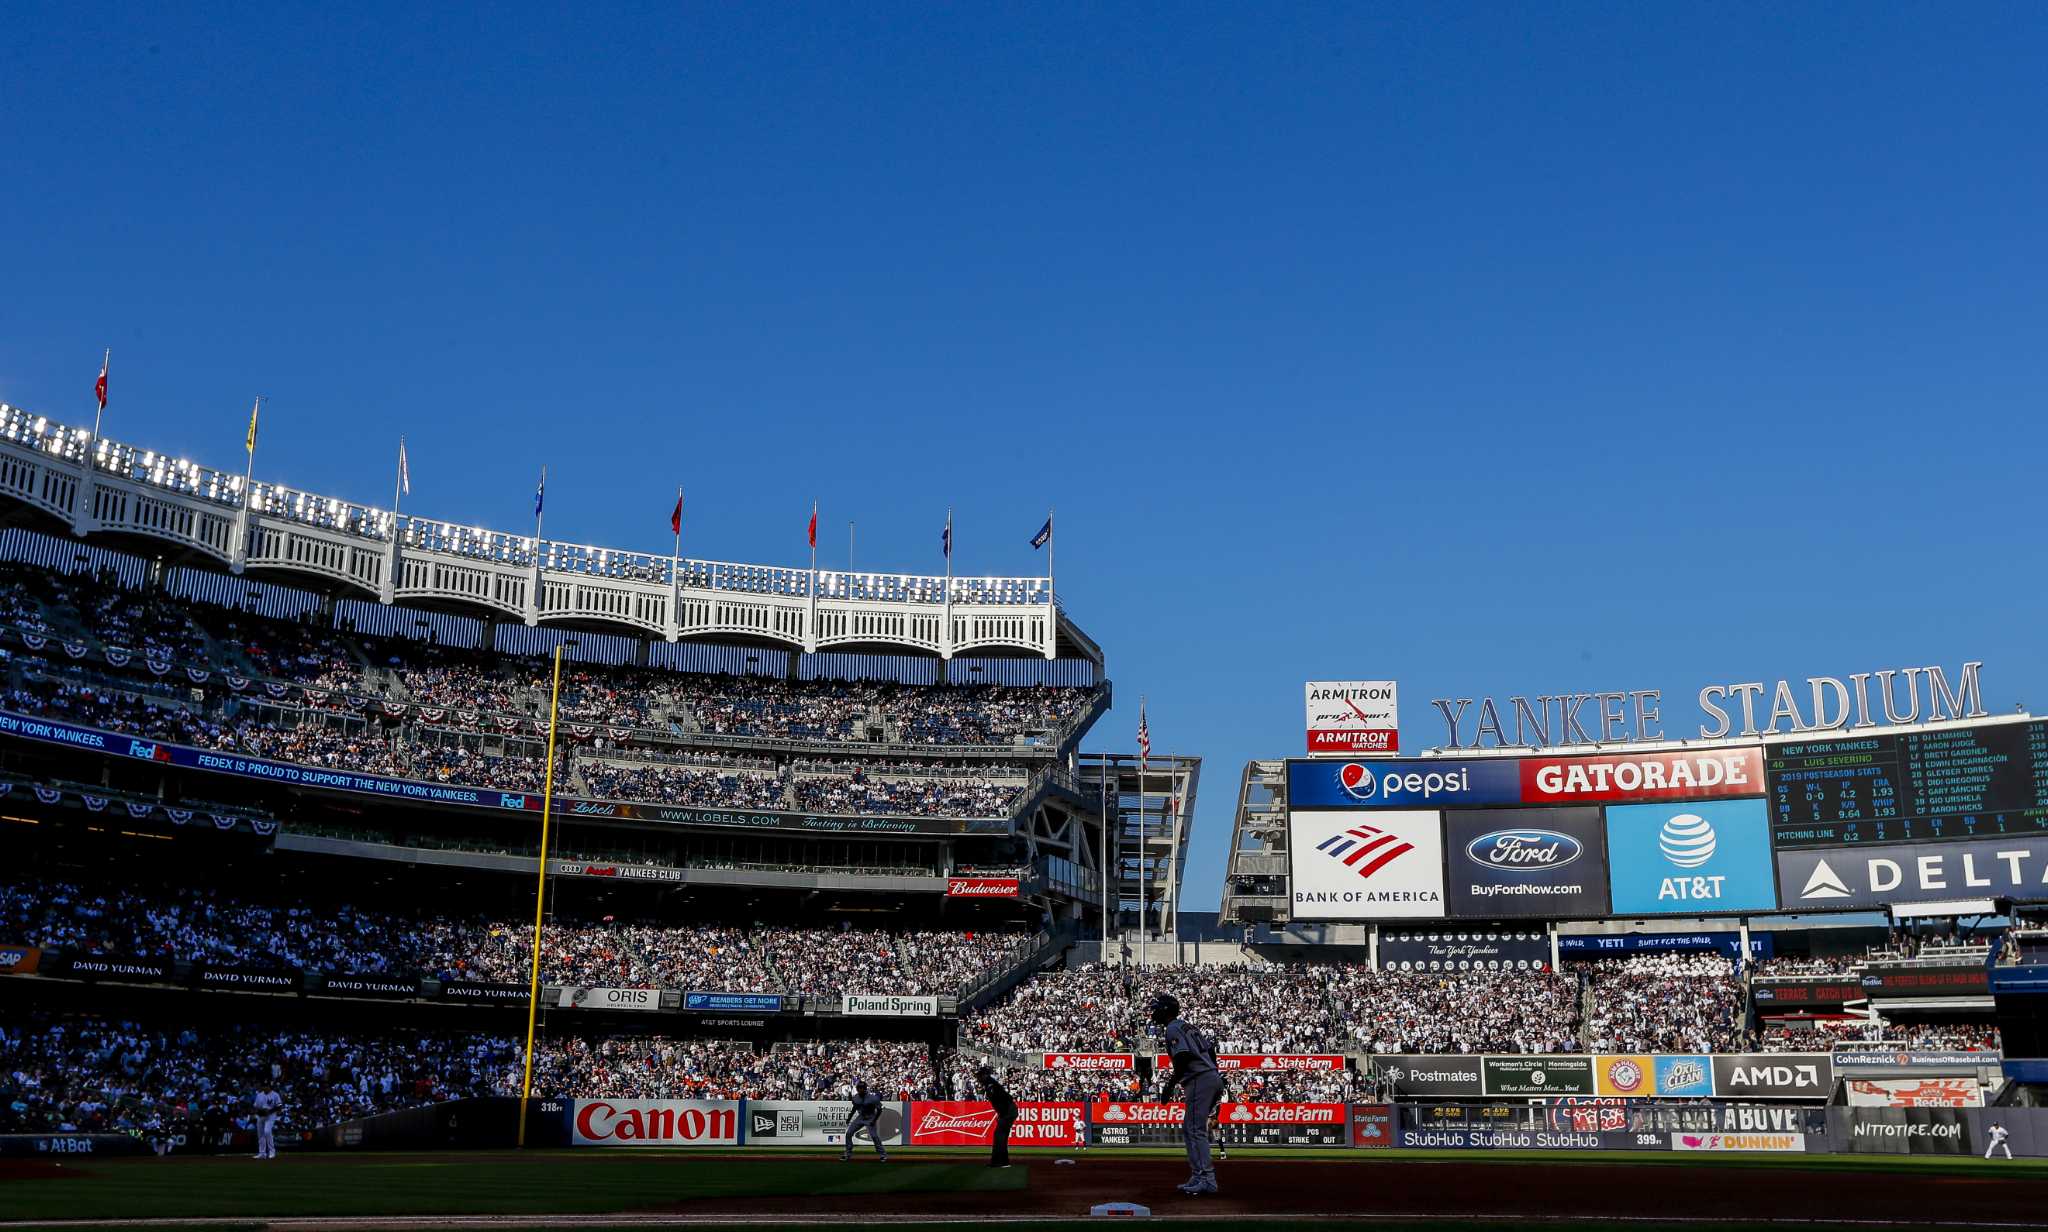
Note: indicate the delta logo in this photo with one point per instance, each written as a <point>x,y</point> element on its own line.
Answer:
<point>1365,849</point>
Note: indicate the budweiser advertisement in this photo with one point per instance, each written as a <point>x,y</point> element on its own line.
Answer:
<point>973,1123</point>
<point>655,1122</point>
<point>1268,1061</point>
<point>1088,1060</point>
<point>982,887</point>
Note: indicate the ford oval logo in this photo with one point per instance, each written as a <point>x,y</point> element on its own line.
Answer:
<point>1524,851</point>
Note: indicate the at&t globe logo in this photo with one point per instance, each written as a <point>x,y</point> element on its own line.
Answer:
<point>1357,781</point>
<point>1687,840</point>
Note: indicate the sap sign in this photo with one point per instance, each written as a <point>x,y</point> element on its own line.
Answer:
<point>1401,783</point>
<point>1690,858</point>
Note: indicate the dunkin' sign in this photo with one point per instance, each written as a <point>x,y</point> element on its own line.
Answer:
<point>973,1123</point>
<point>1088,1060</point>
<point>655,1122</point>
<point>981,887</point>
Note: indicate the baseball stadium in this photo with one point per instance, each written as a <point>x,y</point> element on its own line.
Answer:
<point>366,870</point>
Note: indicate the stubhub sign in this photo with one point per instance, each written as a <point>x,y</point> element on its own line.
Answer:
<point>1402,783</point>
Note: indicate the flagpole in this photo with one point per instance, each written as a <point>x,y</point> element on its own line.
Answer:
<point>241,554</point>
<point>106,365</point>
<point>946,636</point>
<point>540,892</point>
<point>811,640</point>
<point>1144,833</point>
<point>675,562</point>
<point>1102,859</point>
<point>849,545</point>
<point>398,488</point>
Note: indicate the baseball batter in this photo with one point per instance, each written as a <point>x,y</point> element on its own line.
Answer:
<point>1196,1074</point>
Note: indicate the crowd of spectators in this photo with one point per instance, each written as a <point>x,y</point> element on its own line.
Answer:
<point>654,1067</point>
<point>91,1074</point>
<point>1664,1003</point>
<point>918,963</point>
<point>663,783</point>
<point>861,793</point>
<point>1806,964</point>
<point>1822,1034</point>
<point>1458,1011</point>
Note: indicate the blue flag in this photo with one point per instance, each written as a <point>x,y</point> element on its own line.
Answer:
<point>1044,535</point>
<point>946,540</point>
<point>540,494</point>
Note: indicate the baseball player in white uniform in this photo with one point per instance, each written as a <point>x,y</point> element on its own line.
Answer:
<point>1998,1136</point>
<point>266,1104</point>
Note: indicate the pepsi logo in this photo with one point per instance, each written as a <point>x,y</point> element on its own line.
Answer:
<point>1357,781</point>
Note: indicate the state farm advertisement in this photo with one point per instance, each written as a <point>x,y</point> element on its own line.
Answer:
<point>1088,1060</point>
<point>1353,716</point>
<point>1701,774</point>
<point>1269,1061</point>
<point>655,1122</point>
<point>1134,1124</point>
<point>973,1123</point>
<point>982,887</point>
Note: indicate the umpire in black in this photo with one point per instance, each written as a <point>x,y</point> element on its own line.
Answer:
<point>1006,1116</point>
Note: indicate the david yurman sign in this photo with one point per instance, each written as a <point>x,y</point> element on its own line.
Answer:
<point>1826,703</point>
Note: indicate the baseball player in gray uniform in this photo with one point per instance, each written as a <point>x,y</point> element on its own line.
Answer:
<point>1195,1073</point>
<point>867,1115</point>
<point>266,1104</point>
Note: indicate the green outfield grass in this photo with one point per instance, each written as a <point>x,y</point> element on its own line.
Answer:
<point>544,1183</point>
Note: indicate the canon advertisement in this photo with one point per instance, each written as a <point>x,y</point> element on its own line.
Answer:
<point>1535,863</point>
<point>1382,865</point>
<point>655,1122</point>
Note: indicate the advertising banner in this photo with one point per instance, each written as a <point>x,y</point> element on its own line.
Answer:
<point>1863,1056</point>
<point>1424,1076</point>
<point>1372,1125</point>
<point>1901,1131</point>
<point>654,1122</point>
<point>871,1005</point>
<point>248,979</point>
<point>1738,1142</point>
<point>1367,866</point>
<point>1353,716</point>
<point>1090,1061</point>
<point>1537,863</point>
<point>621,872</point>
<point>1793,992</point>
<point>973,1123</point>
<point>1516,1139</point>
<point>815,1123</point>
<point>1594,945</point>
<point>1791,1075</point>
<point>1702,774</point>
<point>1914,1093</point>
<point>1284,1124</point>
<point>1270,1062</point>
<point>1624,1076</point>
<point>1966,980</point>
<point>982,887</point>
<point>349,984</point>
<point>103,967</point>
<point>1693,858</point>
<point>644,1000</point>
<point>1821,878</point>
<point>1538,1075</point>
<point>1402,783</point>
<point>19,959</point>
<point>1134,1124</point>
<point>1464,950</point>
<point>483,992</point>
<point>733,1002</point>
<point>1683,1076</point>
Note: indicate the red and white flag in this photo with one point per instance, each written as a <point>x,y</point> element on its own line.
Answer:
<point>675,520</point>
<point>99,387</point>
<point>1144,734</point>
<point>814,526</point>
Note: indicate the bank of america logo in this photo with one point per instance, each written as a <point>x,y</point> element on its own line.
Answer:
<point>1366,849</point>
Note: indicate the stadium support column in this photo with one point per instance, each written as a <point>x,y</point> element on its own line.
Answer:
<point>1553,947</point>
<point>1372,946</point>
<point>547,797</point>
<point>82,519</point>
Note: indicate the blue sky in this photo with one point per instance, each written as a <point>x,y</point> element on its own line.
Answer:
<point>1497,349</point>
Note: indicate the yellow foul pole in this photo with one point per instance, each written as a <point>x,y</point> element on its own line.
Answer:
<point>547,799</point>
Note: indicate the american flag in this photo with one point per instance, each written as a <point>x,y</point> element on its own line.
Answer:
<point>1144,734</point>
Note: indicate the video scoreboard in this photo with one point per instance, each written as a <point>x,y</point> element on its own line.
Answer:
<point>1966,782</point>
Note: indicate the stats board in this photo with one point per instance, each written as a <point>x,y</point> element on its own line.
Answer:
<point>1927,786</point>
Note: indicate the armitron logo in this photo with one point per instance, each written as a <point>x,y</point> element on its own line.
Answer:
<point>977,1123</point>
<point>1357,781</point>
<point>1365,849</point>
